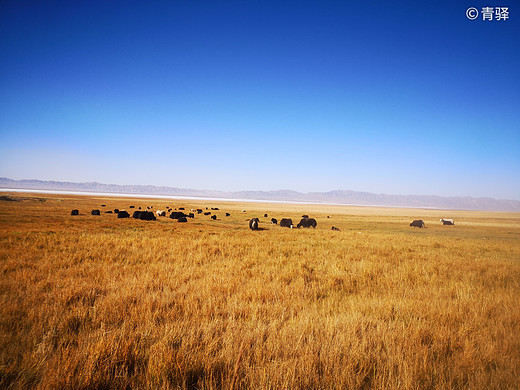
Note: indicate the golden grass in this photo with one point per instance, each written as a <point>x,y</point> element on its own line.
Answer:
<point>95,302</point>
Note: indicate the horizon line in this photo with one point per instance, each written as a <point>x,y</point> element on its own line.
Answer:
<point>148,196</point>
<point>299,192</point>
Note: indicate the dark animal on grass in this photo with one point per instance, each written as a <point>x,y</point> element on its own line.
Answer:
<point>265,215</point>
<point>213,217</point>
<point>199,211</point>
<point>181,208</point>
<point>123,214</point>
<point>132,207</point>
<point>146,216</point>
<point>305,216</point>
<point>274,221</point>
<point>227,214</point>
<point>191,215</point>
<point>95,212</point>
<point>103,205</point>
<point>116,211</point>
<point>307,223</point>
<point>286,222</point>
<point>417,223</point>
<point>253,224</point>
<point>177,215</point>
<point>214,208</point>
<point>335,229</point>
<point>207,213</point>
<point>108,212</point>
<point>74,212</point>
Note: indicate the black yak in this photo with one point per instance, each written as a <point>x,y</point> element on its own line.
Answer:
<point>146,215</point>
<point>123,214</point>
<point>253,223</point>
<point>286,222</point>
<point>307,223</point>
<point>418,223</point>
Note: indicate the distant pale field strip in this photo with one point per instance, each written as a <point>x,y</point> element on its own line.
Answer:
<point>92,302</point>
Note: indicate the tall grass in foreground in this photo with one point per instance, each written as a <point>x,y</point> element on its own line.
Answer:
<point>96,304</point>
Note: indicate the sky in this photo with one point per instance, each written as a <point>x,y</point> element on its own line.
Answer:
<point>404,97</point>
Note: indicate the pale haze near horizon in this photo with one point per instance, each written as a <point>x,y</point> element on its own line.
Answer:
<point>414,100</point>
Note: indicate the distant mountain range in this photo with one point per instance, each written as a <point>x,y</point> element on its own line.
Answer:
<point>339,196</point>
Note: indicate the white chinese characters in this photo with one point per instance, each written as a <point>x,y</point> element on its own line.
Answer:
<point>501,13</point>
<point>488,13</point>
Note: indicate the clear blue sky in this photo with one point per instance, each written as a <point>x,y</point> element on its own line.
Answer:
<point>385,97</point>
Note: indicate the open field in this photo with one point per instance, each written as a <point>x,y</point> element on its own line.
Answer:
<point>96,302</point>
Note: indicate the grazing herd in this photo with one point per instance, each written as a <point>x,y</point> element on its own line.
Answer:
<point>420,223</point>
<point>254,223</point>
<point>148,215</point>
<point>306,222</point>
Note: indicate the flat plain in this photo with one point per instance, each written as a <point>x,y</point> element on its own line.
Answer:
<point>97,302</point>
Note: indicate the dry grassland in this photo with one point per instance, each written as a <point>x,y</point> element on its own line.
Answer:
<point>99,303</point>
